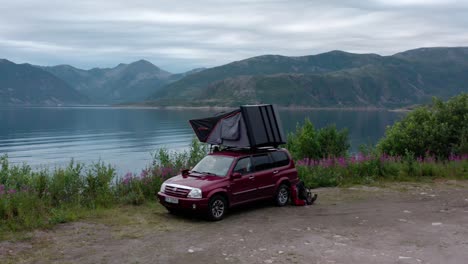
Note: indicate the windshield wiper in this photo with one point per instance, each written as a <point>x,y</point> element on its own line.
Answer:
<point>210,173</point>
<point>205,173</point>
<point>195,172</point>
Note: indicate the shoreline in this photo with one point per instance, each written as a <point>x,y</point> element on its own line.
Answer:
<point>289,108</point>
<point>220,108</point>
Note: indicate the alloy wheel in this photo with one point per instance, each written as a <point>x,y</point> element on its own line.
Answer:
<point>217,209</point>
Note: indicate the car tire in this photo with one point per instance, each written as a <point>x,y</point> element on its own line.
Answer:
<point>282,195</point>
<point>217,208</point>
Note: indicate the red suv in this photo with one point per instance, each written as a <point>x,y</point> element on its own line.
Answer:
<point>229,178</point>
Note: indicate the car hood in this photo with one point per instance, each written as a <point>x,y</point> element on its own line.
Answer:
<point>198,181</point>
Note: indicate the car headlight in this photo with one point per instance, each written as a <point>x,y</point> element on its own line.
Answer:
<point>195,193</point>
<point>163,187</point>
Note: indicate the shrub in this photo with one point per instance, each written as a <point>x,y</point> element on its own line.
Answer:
<point>440,129</point>
<point>162,158</point>
<point>66,185</point>
<point>308,142</point>
<point>97,190</point>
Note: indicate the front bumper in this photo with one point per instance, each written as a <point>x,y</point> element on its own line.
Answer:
<point>184,203</point>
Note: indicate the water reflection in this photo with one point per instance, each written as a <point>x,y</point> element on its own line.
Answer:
<point>126,137</point>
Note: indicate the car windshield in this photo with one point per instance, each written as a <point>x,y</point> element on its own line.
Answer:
<point>217,165</point>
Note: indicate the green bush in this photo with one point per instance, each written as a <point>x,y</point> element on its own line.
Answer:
<point>308,142</point>
<point>440,129</point>
<point>97,190</point>
<point>66,185</point>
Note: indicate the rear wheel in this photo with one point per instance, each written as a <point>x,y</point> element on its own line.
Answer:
<point>217,208</point>
<point>282,195</point>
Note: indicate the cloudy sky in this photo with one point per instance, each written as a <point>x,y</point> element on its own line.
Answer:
<point>179,35</point>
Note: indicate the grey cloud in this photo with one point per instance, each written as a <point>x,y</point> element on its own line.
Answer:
<point>180,35</point>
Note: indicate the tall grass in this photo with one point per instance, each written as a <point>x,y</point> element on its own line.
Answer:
<point>369,168</point>
<point>30,199</point>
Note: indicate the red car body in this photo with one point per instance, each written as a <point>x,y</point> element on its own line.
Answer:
<point>250,176</point>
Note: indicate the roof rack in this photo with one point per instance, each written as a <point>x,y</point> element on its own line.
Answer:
<point>246,149</point>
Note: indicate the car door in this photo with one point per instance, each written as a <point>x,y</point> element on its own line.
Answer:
<point>264,172</point>
<point>244,188</point>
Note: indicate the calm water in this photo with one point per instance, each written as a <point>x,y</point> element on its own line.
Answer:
<point>127,137</point>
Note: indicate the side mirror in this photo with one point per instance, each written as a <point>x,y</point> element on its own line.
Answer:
<point>184,172</point>
<point>236,175</point>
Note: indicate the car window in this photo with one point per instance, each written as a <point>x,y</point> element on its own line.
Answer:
<point>279,158</point>
<point>213,164</point>
<point>262,162</point>
<point>243,166</point>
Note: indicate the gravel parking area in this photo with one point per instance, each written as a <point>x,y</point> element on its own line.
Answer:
<point>396,223</point>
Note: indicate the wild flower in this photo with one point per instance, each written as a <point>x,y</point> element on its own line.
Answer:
<point>144,173</point>
<point>454,157</point>
<point>127,178</point>
<point>166,172</point>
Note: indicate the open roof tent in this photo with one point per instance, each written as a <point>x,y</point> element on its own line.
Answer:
<point>250,126</point>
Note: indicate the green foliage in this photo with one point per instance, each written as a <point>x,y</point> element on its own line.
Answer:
<point>372,168</point>
<point>66,185</point>
<point>180,160</point>
<point>440,129</point>
<point>30,199</point>
<point>308,142</point>
<point>97,190</point>
<point>136,189</point>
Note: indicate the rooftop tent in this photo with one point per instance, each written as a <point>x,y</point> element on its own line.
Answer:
<point>248,126</point>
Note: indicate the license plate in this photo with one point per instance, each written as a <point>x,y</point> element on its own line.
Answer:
<point>171,200</point>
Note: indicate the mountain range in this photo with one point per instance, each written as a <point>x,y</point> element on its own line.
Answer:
<point>132,82</point>
<point>332,79</point>
<point>25,84</point>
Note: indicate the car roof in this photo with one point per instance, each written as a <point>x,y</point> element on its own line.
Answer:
<point>243,152</point>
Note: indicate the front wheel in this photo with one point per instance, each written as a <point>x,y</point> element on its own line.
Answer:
<point>282,195</point>
<point>217,208</point>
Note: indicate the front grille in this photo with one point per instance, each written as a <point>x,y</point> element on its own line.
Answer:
<point>176,191</point>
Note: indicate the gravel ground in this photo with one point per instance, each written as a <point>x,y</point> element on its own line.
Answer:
<point>397,223</point>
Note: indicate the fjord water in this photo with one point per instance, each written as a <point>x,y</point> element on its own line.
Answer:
<point>126,137</point>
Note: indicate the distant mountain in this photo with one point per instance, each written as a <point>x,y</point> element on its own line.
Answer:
<point>332,79</point>
<point>24,84</point>
<point>123,83</point>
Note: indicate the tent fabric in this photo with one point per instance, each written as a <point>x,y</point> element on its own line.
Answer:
<point>249,126</point>
<point>203,127</point>
<point>230,127</point>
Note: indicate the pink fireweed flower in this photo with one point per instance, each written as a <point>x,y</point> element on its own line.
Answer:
<point>342,161</point>
<point>166,172</point>
<point>11,191</point>
<point>144,173</point>
<point>127,178</point>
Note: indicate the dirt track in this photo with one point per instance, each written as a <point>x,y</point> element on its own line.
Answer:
<point>402,223</point>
